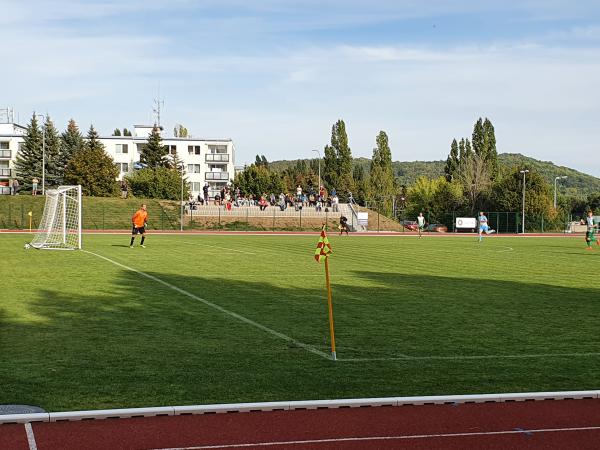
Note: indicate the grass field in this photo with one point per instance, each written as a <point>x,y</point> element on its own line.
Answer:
<point>218,319</point>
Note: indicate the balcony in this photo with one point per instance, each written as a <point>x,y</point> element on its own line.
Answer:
<point>216,176</point>
<point>5,154</point>
<point>217,157</point>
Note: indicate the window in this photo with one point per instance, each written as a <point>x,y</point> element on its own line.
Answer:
<point>194,149</point>
<point>4,145</point>
<point>171,149</point>
<point>193,168</point>
<point>122,148</point>
<point>195,187</point>
<point>123,167</point>
<point>217,148</point>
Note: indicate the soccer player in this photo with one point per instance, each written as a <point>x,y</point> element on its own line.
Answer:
<point>483,226</point>
<point>590,232</point>
<point>421,223</point>
<point>139,221</point>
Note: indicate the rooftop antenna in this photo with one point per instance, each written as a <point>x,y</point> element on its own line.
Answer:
<point>7,115</point>
<point>158,103</point>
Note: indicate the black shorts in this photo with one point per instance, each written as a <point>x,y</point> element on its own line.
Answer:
<point>138,230</point>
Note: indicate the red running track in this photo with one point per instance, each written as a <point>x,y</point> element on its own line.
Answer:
<point>549,424</point>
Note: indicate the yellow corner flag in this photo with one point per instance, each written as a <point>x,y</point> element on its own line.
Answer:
<point>323,246</point>
<point>323,251</point>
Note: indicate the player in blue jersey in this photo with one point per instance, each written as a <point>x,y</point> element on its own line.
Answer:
<point>483,226</point>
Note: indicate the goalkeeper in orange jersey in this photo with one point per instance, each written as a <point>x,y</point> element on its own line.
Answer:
<point>139,221</point>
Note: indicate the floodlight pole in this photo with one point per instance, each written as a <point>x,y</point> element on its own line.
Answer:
<point>523,225</point>
<point>43,153</point>
<point>319,153</point>
<point>555,180</point>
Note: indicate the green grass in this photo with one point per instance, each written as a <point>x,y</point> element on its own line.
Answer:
<point>78,332</point>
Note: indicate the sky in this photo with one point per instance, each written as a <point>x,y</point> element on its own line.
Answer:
<point>275,75</point>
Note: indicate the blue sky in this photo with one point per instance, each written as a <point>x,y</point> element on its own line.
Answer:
<point>275,75</point>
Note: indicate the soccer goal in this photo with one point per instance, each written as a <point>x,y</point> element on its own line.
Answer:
<point>60,227</point>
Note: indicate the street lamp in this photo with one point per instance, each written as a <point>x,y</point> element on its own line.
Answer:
<point>319,153</point>
<point>43,153</point>
<point>555,180</point>
<point>523,225</point>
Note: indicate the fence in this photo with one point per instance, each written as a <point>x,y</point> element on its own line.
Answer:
<point>114,214</point>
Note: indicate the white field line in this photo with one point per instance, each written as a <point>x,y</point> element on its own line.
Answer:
<point>474,357</point>
<point>388,438</point>
<point>219,247</point>
<point>272,332</point>
<point>30,437</point>
<point>506,249</point>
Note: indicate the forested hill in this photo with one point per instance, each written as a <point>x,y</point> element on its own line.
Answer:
<point>408,171</point>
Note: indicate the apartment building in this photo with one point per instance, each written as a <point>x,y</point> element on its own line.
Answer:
<point>205,160</point>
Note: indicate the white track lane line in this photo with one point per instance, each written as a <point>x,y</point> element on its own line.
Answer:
<point>272,332</point>
<point>386,438</point>
<point>30,437</point>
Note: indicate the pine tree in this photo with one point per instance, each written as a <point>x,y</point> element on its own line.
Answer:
<point>382,174</point>
<point>54,172</point>
<point>452,161</point>
<point>126,132</point>
<point>117,132</point>
<point>71,143</point>
<point>329,175</point>
<point>93,168</point>
<point>337,172</point>
<point>28,162</point>
<point>153,152</point>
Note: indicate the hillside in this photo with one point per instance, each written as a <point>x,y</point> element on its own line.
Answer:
<point>577,183</point>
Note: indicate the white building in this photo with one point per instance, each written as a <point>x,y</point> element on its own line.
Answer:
<point>206,160</point>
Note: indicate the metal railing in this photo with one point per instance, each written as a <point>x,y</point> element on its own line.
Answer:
<point>217,157</point>
<point>216,175</point>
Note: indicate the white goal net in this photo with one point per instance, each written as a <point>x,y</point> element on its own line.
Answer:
<point>60,227</point>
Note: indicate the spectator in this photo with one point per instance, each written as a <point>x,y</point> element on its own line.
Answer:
<point>124,188</point>
<point>34,186</point>
<point>272,199</point>
<point>319,206</point>
<point>298,191</point>
<point>335,201</point>
<point>15,187</point>
<point>205,192</point>
<point>262,204</point>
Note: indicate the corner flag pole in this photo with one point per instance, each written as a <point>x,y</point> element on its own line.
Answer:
<point>30,217</point>
<point>330,307</point>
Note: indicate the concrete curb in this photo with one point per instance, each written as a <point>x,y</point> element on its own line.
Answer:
<point>295,405</point>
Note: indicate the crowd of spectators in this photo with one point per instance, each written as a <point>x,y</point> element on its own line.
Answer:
<point>229,198</point>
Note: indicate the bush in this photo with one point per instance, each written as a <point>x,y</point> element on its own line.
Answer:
<point>160,183</point>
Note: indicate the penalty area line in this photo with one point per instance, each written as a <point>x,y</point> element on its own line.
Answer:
<point>387,438</point>
<point>219,247</point>
<point>225,311</point>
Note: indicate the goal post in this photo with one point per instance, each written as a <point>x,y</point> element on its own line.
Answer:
<point>60,227</point>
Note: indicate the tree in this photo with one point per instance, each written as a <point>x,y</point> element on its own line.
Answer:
<point>338,161</point>
<point>382,175</point>
<point>452,161</point>
<point>180,131</point>
<point>117,132</point>
<point>476,181</point>
<point>93,168</point>
<point>484,145</point>
<point>160,182</point>
<point>71,143</point>
<point>126,132</point>
<point>258,180</point>
<point>28,162</point>
<point>54,171</point>
<point>154,153</point>
<point>507,194</point>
